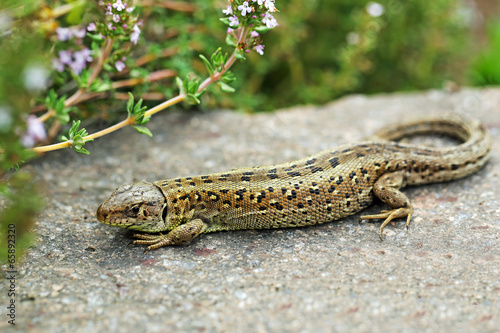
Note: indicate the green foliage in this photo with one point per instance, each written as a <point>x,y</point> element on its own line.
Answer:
<point>325,49</point>
<point>485,70</point>
<point>57,104</point>
<point>22,53</point>
<point>76,135</point>
<point>137,111</point>
<point>216,64</point>
<point>23,202</point>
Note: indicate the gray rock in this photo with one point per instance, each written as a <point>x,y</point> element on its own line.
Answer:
<point>440,276</point>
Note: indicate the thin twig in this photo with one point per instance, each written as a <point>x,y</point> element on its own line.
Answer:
<point>130,120</point>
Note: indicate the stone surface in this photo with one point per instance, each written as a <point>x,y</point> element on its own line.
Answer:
<point>442,275</point>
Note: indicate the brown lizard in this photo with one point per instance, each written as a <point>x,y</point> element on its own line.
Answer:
<point>320,188</point>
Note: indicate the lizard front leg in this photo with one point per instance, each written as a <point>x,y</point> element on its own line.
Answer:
<point>181,235</point>
<point>387,189</point>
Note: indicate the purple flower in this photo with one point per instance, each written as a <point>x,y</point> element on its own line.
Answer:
<point>233,20</point>
<point>79,33</point>
<point>91,27</point>
<point>130,9</point>
<point>228,10</point>
<point>82,55</point>
<point>254,34</point>
<point>270,21</point>
<point>119,65</point>
<point>259,49</point>
<point>65,57</point>
<point>63,34</point>
<point>80,59</point>
<point>118,5</point>
<point>269,4</point>
<point>57,65</point>
<point>244,8</point>
<point>134,36</point>
<point>116,18</point>
<point>35,131</point>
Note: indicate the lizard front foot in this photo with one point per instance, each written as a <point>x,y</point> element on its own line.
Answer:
<point>181,235</point>
<point>154,241</point>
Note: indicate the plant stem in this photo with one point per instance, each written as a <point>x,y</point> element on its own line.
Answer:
<point>130,120</point>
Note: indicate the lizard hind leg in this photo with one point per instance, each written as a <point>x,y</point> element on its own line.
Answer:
<point>387,189</point>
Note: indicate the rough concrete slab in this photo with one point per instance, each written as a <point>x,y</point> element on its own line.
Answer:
<point>440,276</point>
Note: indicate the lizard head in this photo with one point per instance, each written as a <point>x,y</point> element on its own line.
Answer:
<point>139,206</point>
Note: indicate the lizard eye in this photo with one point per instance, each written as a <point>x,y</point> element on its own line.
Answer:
<point>135,210</point>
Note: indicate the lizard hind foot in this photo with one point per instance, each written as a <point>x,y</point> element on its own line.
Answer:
<point>390,215</point>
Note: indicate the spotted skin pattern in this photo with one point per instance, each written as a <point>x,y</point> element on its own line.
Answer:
<point>320,188</point>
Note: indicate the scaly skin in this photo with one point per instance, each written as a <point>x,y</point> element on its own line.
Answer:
<point>323,187</point>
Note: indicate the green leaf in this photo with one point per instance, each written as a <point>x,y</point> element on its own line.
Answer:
<point>225,87</point>
<point>100,86</point>
<point>76,136</point>
<point>78,142</point>
<point>193,86</point>
<point>141,120</point>
<point>179,83</point>
<point>192,99</point>
<point>216,57</point>
<point>107,67</point>
<point>63,118</point>
<point>230,40</point>
<point>95,37</point>
<point>130,104</point>
<point>59,105</point>
<point>262,29</point>
<point>139,109</point>
<point>82,151</point>
<point>239,55</point>
<point>51,99</point>
<point>75,15</point>
<point>185,84</point>
<point>228,77</point>
<point>83,78</point>
<point>226,21</point>
<point>209,67</point>
<point>143,130</point>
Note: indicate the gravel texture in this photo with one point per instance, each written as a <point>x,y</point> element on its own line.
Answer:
<point>443,275</point>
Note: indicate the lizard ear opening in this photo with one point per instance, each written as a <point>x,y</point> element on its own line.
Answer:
<point>164,213</point>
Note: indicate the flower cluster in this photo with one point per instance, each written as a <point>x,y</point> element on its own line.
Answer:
<point>120,21</point>
<point>119,24</point>
<point>76,55</point>
<point>254,14</point>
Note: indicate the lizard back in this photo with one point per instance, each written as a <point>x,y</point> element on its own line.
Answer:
<point>326,186</point>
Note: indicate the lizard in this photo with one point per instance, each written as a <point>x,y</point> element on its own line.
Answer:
<point>327,186</point>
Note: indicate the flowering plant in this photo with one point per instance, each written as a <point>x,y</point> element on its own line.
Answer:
<point>111,40</point>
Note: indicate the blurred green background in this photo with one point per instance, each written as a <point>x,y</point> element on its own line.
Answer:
<point>327,49</point>
<point>324,49</point>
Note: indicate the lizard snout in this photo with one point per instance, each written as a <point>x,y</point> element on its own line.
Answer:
<point>100,214</point>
